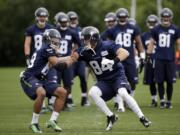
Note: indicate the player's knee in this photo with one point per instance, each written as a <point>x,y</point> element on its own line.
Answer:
<point>94,91</point>
<point>123,92</point>
<point>60,92</point>
<point>41,92</point>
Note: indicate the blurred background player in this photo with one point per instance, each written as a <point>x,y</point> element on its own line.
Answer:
<point>110,21</point>
<point>125,34</point>
<point>164,37</point>
<point>151,22</point>
<point>33,38</point>
<point>79,67</point>
<point>37,82</point>
<point>69,38</point>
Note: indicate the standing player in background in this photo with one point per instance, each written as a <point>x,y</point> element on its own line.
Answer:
<point>33,38</point>
<point>125,34</point>
<point>37,82</point>
<point>164,37</point>
<point>69,38</point>
<point>105,57</point>
<point>110,21</point>
<point>79,67</point>
<point>151,22</point>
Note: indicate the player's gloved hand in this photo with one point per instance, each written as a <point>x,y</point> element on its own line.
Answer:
<point>141,65</point>
<point>87,52</point>
<point>27,60</point>
<point>142,61</point>
<point>137,61</point>
<point>106,61</point>
<point>148,59</point>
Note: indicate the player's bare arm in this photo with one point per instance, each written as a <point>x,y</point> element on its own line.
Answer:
<point>122,54</point>
<point>27,44</point>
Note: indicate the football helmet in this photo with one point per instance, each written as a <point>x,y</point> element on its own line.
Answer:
<point>122,15</point>
<point>63,20</point>
<point>166,16</point>
<point>110,19</point>
<point>90,36</point>
<point>73,18</point>
<point>41,16</point>
<point>132,21</point>
<point>52,37</point>
<point>151,21</point>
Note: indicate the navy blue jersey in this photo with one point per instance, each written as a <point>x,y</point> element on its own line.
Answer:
<point>77,30</point>
<point>69,37</point>
<point>39,61</point>
<point>124,36</point>
<point>36,33</point>
<point>165,38</point>
<point>145,38</point>
<point>108,50</point>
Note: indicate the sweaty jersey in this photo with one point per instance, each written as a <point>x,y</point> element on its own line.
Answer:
<point>124,36</point>
<point>69,37</point>
<point>36,33</point>
<point>108,50</point>
<point>39,61</point>
<point>165,38</point>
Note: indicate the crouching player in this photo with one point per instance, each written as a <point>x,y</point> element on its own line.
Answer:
<point>39,80</point>
<point>104,57</point>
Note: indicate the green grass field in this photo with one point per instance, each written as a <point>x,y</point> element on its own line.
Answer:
<point>16,111</point>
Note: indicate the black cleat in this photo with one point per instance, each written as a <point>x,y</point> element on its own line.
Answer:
<point>154,103</point>
<point>162,105</point>
<point>110,121</point>
<point>85,102</point>
<point>146,123</point>
<point>169,105</point>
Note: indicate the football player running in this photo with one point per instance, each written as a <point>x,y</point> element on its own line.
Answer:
<point>164,37</point>
<point>151,22</point>
<point>79,67</point>
<point>33,39</point>
<point>37,82</point>
<point>104,57</point>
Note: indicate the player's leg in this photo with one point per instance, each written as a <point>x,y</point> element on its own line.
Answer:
<point>83,83</point>
<point>153,92</point>
<point>149,80</point>
<point>159,74</point>
<point>53,89</point>
<point>133,106</point>
<point>67,81</point>
<point>36,93</point>
<point>99,94</point>
<point>52,76</point>
<point>119,104</point>
<point>170,72</point>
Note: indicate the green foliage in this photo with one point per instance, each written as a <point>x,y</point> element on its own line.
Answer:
<point>16,15</point>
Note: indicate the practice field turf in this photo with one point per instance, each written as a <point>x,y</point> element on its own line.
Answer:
<point>16,112</point>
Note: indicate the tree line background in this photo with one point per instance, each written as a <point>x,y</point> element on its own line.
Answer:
<point>16,15</point>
